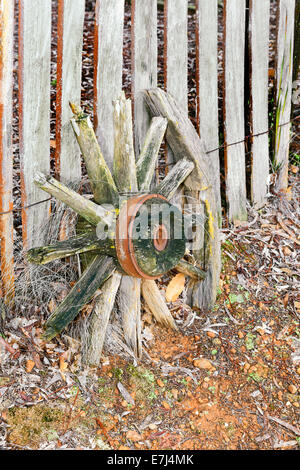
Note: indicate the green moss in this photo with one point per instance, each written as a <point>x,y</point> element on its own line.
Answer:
<point>33,425</point>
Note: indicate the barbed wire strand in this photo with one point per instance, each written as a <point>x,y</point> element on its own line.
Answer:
<point>20,208</point>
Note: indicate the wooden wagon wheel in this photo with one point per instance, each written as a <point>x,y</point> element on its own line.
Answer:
<point>132,241</point>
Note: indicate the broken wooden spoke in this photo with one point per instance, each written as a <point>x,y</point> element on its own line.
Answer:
<point>148,156</point>
<point>175,178</point>
<point>91,280</point>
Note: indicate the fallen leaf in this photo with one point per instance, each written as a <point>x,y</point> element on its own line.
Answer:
<point>29,365</point>
<point>134,436</point>
<point>175,287</point>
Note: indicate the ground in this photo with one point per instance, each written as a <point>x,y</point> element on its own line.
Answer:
<point>228,379</point>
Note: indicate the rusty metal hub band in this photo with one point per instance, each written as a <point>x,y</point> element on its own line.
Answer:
<point>149,236</point>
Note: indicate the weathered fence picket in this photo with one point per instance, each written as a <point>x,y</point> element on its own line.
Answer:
<point>6,149</point>
<point>108,57</point>
<point>144,62</point>
<point>69,61</point>
<point>284,74</point>
<point>234,120</point>
<point>176,50</point>
<point>259,53</point>
<point>34,111</point>
<point>207,84</point>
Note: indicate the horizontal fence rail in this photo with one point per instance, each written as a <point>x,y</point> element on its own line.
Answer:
<point>224,76</point>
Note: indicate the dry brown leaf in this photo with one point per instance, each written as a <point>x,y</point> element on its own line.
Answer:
<point>175,287</point>
<point>51,305</point>
<point>29,365</point>
<point>63,365</point>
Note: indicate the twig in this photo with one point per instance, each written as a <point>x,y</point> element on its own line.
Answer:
<point>286,425</point>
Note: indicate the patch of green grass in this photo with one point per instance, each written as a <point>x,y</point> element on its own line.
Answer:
<point>255,377</point>
<point>250,341</point>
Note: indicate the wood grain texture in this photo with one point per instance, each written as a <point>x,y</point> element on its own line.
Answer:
<point>91,280</point>
<point>185,143</point>
<point>284,74</point>
<point>174,178</point>
<point>147,160</point>
<point>34,111</point>
<point>102,183</point>
<point>259,23</point>
<point>234,121</point>
<point>124,158</point>
<point>93,213</point>
<point>129,294</point>
<point>176,55</point>
<point>157,305</point>
<point>6,149</point>
<point>69,63</point>
<point>176,50</point>
<point>108,53</point>
<point>99,320</point>
<point>144,62</point>
<point>207,84</point>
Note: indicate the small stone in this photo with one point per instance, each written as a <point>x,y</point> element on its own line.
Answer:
<point>166,405</point>
<point>292,389</point>
<point>133,436</point>
<point>211,334</point>
<point>241,334</point>
<point>152,426</point>
<point>203,363</point>
<point>279,395</point>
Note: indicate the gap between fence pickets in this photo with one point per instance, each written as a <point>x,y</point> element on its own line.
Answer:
<point>6,149</point>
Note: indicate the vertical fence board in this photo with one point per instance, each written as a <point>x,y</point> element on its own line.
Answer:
<point>259,24</point>
<point>69,60</point>
<point>284,73</point>
<point>108,70</point>
<point>34,111</point>
<point>207,83</point>
<point>6,151</point>
<point>234,120</point>
<point>176,56</point>
<point>176,50</point>
<point>144,62</point>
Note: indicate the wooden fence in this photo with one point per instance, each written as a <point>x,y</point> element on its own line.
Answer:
<point>34,59</point>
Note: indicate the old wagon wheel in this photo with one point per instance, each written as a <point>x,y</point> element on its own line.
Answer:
<point>135,234</point>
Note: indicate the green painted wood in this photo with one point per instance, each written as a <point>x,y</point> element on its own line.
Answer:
<point>73,246</point>
<point>91,280</point>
